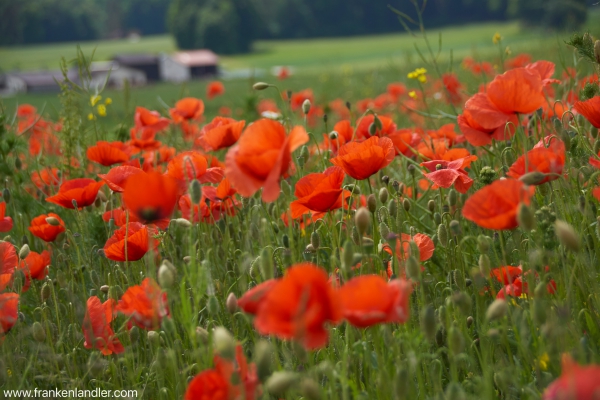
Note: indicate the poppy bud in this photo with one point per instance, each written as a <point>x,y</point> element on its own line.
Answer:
<point>182,222</point>
<point>484,265</point>
<point>286,241</point>
<point>411,169</point>
<point>104,289</point>
<point>202,334</point>
<point>525,217</point>
<point>212,305</point>
<point>567,235</point>
<point>597,51</point>
<point>385,179</point>
<point>402,382</point>
<point>224,343</point>
<point>280,382</point>
<point>39,334</point>
<point>45,292</point>
<point>52,221</point>
<point>496,310</point>
<point>393,207</point>
<point>266,264</point>
<point>383,195</point>
<point>582,204</point>
<point>18,163</point>
<point>533,178</point>
<point>260,86</point>
<point>437,218</point>
<point>483,243</point>
<point>315,240</point>
<point>452,198</point>
<point>231,303</point>
<point>347,256</point>
<point>195,190</point>
<point>101,196</point>
<point>333,135</point>
<point>456,340</point>
<point>165,276</point>
<point>263,358</point>
<point>154,338</point>
<point>372,203</point>
<point>406,204</point>
<point>470,321</point>
<point>428,322</point>
<point>304,153</point>
<point>372,129</point>
<point>413,271</point>
<point>384,230</point>
<point>431,205</point>
<point>442,235</point>
<point>455,227</point>
<point>6,195</point>
<point>24,252</point>
<point>362,220</point>
<point>310,389</point>
<point>306,106</point>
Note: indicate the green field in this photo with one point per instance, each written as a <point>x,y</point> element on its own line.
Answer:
<point>351,68</point>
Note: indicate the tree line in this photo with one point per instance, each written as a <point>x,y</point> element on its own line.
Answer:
<point>231,26</point>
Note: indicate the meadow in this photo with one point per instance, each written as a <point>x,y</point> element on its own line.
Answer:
<point>378,225</point>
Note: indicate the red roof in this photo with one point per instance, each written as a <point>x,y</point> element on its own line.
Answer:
<point>196,58</point>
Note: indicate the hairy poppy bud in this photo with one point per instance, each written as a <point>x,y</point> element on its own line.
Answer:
<point>166,276</point>
<point>385,179</point>
<point>213,305</point>
<point>372,129</point>
<point>231,303</point>
<point>266,264</point>
<point>224,343</point>
<point>195,190</point>
<point>455,227</point>
<point>52,221</point>
<point>597,51</point>
<point>533,178</point>
<point>24,252</point>
<point>154,338</point>
<point>280,382</point>
<point>431,205</point>
<point>306,106</point>
<point>362,220</point>
<point>462,301</point>
<point>402,382</point>
<point>384,230</point>
<point>413,271</point>
<point>567,236</point>
<point>202,334</point>
<point>18,163</point>
<point>372,203</point>
<point>470,321</point>
<point>406,204</point>
<point>39,333</point>
<point>260,86</point>
<point>333,135</point>
<point>6,195</point>
<point>483,243</point>
<point>347,256</point>
<point>428,322</point>
<point>452,198</point>
<point>182,222</point>
<point>310,389</point>
<point>525,217</point>
<point>456,340</point>
<point>263,358</point>
<point>315,240</point>
<point>442,235</point>
<point>484,265</point>
<point>496,310</point>
<point>393,207</point>
<point>383,195</point>
<point>437,218</point>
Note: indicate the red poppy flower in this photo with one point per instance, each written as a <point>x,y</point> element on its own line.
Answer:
<point>83,191</point>
<point>45,231</point>
<point>576,382</point>
<point>46,179</point>
<point>143,139</point>
<point>150,196</point>
<point>107,154</point>
<point>299,306</point>
<point>517,91</point>
<point>362,309</point>
<point>482,121</point>
<point>209,384</point>
<point>445,174</point>
<point>139,240</point>
<point>495,206</point>
<point>229,380</point>
<point>35,266</point>
<point>438,149</point>
<point>319,192</point>
<point>8,258</point>
<point>518,61</point>
<point>220,133</point>
<point>26,110</point>
<point>545,69</point>
<point>261,157</point>
<point>590,109</point>
<point>9,307</point>
<point>253,298</point>
<point>388,126</point>
<point>5,280</point>
<point>344,130</point>
<point>149,121</point>
<point>396,90</point>
<point>300,97</point>
<point>283,73</point>
<point>116,177</point>
<point>190,165</point>
<point>96,327</point>
<point>548,160</point>
<point>6,223</point>
<point>507,274</point>
<point>453,87</point>
<point>361,160</point>
<point>187,109</point>
<point>214,89</point>
<point>146,304</point>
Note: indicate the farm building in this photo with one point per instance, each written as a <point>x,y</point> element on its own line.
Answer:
<point>115,75</point>
<point>148,63</point>
<point>201,63</point>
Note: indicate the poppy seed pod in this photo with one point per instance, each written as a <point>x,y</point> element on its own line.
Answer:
<point>567,236</point>
<point>362,220</point>
<point>263,358</point>
<point>372,203</point>
<point>383,195</point>
<point>525,217</point>
<point>260,86</point>
<point>231,303</point>
<point>496,310</point>
<point>306,106</point>
<point>280,382</point>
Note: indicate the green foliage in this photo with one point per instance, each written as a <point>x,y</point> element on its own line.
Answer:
<point>567,15</point>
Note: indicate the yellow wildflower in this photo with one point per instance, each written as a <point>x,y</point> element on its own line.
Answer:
<point>91,117</point>
<point>101,110</point>
<point>412,94</point>
<point>422,79</point>
<point>95,99</point>
<point>108,101</point>
<point>497,38</point>
<point>543,361</point>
